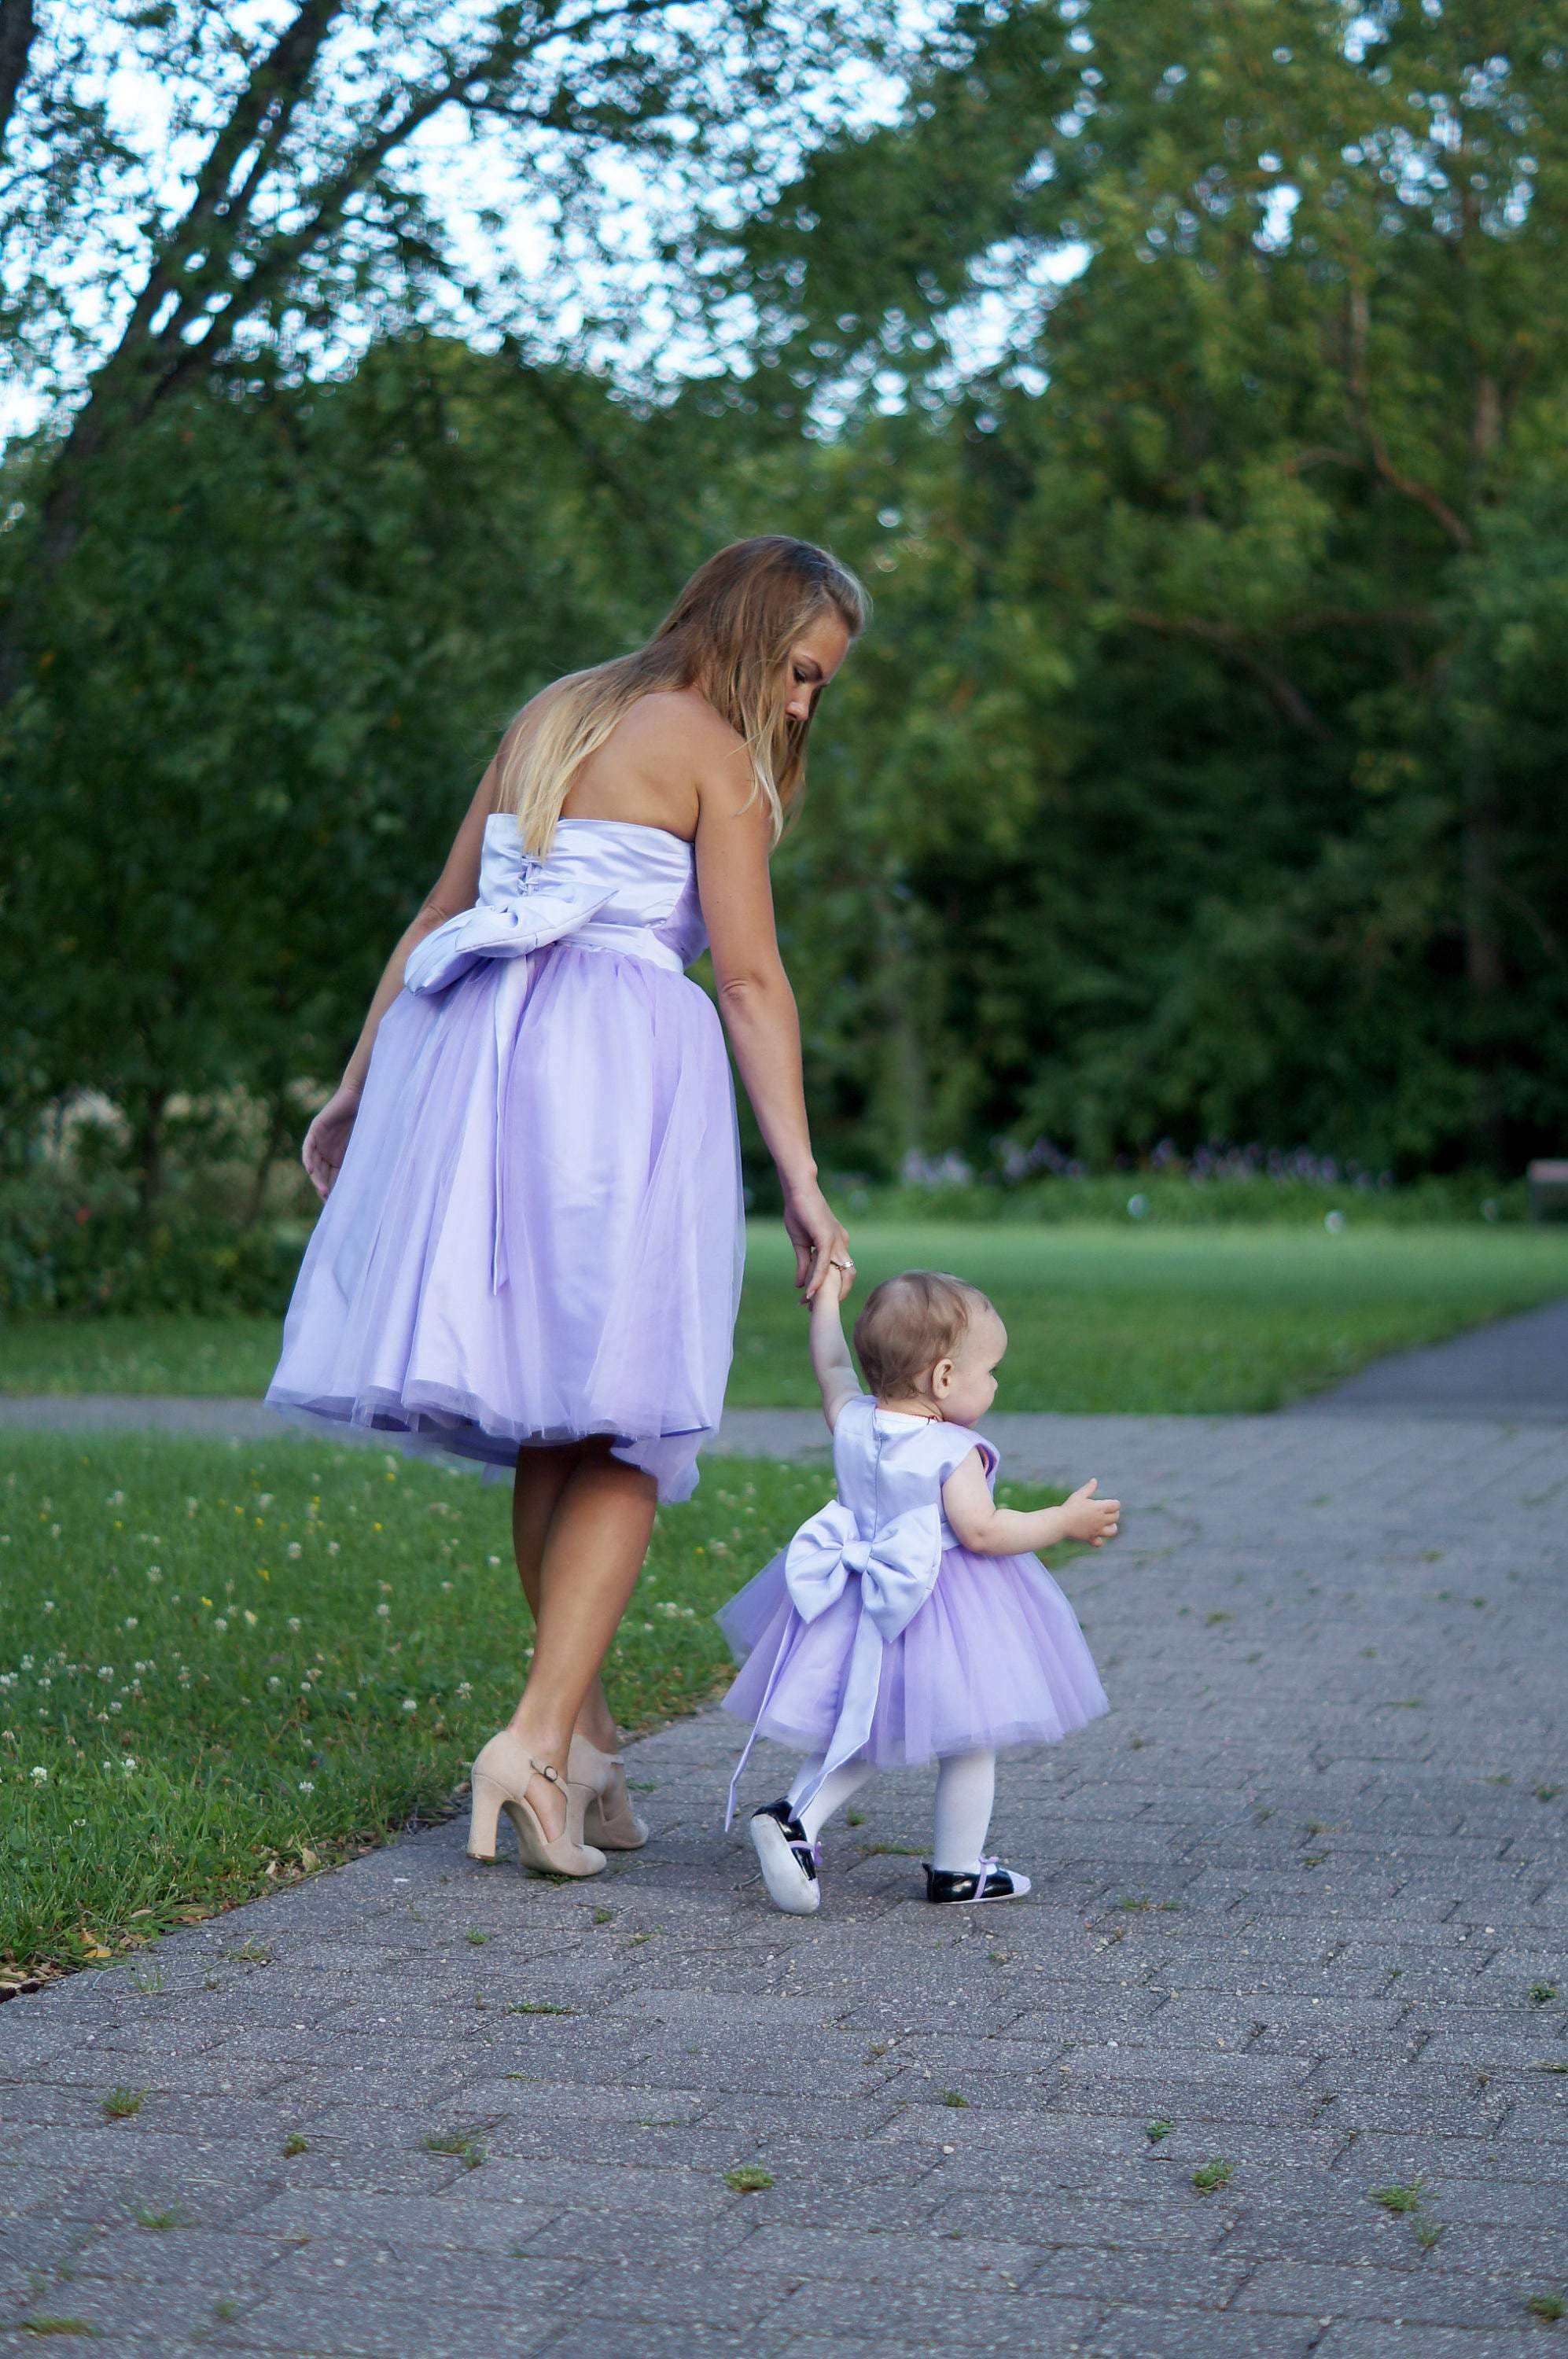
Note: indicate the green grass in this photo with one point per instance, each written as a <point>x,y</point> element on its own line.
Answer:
<point>234,1664</point>
<point>1100,1318</point>
<point>1145,1322</point>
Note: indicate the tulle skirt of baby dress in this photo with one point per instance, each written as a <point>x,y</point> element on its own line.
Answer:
<point>536,1234</point>
<point>995,1656</point>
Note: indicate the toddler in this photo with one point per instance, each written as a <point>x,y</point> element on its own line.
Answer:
<point>910,1619</point>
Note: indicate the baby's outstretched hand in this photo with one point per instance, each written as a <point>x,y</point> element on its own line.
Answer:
<point>1088,1518</point>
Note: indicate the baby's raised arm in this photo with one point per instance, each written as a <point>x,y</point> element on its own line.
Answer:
<point>831,1363</point>
<point>989,1530</point>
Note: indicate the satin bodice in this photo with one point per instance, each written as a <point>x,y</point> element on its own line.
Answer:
<point>886,1463</point>
<point>605,885</point>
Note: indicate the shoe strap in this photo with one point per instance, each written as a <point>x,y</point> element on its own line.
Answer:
<point>543,1769</point>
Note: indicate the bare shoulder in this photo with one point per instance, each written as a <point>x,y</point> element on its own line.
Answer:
<point>681,723</point>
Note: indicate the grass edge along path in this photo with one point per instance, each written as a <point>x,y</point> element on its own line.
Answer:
<point>224,1666</point>
<point>1137,1320</point>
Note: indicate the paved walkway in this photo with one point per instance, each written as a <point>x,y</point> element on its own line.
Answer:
<point>1516,1368</point>
<point>1302,1898</point>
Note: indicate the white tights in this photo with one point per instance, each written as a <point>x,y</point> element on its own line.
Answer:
<point>965,1790</point>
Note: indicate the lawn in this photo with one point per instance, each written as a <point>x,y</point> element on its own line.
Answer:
<point>223,1664</point>
<point>1101,1318</point>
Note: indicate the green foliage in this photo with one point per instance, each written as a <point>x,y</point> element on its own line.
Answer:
<point>1199,776</point>
<point>76,1244</point>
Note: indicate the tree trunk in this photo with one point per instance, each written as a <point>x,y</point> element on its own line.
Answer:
<point>147,1140</point>
<point>277,1134</point>
<point>1485,974</point>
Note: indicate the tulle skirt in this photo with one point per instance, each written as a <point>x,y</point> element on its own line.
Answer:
<point>537,1233</point>
<point>994,1658</point>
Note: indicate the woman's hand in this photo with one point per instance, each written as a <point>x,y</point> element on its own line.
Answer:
<point>818,1239</point>
<point>327,1139</point>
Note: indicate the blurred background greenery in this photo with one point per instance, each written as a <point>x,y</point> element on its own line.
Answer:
<point>1189,385</point>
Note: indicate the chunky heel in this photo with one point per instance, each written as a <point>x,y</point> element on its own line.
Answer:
<point>609,1820</point>
<point>500,1782</point>
<point>483,1817</point>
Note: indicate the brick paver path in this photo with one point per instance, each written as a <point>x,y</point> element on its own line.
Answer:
<point>1300,1897</point>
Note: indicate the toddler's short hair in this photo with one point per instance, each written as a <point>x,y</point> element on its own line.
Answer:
<point>911,1322</point>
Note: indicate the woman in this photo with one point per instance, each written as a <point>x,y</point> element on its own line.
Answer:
<point>531,1242</point>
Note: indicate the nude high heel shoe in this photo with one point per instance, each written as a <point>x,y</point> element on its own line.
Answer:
<point>500,1778</point>
<point>609,1820</point>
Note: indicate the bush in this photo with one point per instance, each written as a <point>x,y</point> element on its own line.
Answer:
<point>75,1243</point>
<point>1186,1198</point>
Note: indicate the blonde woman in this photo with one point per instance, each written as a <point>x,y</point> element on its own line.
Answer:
<point>530,1245</point>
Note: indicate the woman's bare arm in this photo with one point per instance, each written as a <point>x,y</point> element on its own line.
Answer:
<point>455,889</point>
<point>755,999</point>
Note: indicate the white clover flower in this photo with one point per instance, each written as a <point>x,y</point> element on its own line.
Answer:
<point>295,1549</point>
<point>40,1777</point>
<point>331,1547</point>
<point>130,1621</point>
<point>409,1705</point>
<point>105,1671</point>
<point>275,1683</point>
<point>220,1621</point>
<point>250,1617</point>
<point>383,1611</point>
<point>307,1785</point>
<point>294,1623</point>
<point>491,1560</point>
<point>264,1498</point>
<point>49,1606</point>
<point>128,1764</point>
<point>154,1572</point>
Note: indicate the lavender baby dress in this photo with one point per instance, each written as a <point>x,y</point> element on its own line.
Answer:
<point>537,1233</point>
<point>875,1634</point>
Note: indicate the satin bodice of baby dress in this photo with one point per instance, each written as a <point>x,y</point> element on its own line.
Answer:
<point>605,885</point>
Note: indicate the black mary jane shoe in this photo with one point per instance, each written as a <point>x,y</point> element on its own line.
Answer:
<point>788,1859</point>
<point>946,1885</point>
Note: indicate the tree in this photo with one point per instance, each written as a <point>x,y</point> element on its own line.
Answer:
<point>1265,447</point>
<point>308,202</point>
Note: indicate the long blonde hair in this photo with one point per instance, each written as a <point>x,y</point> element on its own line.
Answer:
<point>728,634</point>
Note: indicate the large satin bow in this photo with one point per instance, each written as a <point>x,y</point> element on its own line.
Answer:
<point>530,910</point>
<point>540,908</point>
<point>897,1567</point>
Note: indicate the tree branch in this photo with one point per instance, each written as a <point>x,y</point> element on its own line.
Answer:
<point>1408,487</point>
<point>586,443</point>
<point>1282,692</point>
<point>19,25</point>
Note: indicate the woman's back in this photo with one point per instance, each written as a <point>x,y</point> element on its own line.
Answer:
<point>648,770</point>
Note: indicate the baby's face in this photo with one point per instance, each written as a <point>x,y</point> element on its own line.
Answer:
<point>967,1384</point>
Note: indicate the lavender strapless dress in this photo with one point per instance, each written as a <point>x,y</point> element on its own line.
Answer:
<point>537,1232</point>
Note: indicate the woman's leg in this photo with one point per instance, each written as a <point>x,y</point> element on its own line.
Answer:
<point>965,1791</point>
<point>541,1477</point>
<point>592,1552</point>
<point>830,1796</point>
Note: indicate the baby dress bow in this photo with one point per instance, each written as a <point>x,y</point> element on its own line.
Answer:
<point>897,1567</point>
